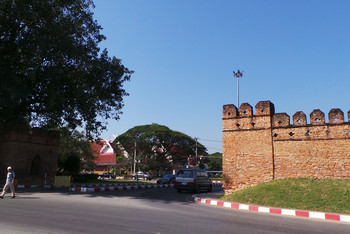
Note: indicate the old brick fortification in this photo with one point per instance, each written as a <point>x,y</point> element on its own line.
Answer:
<point>32,153</point>
<point>265,146</point>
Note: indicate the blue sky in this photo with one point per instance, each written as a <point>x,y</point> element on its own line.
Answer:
<point>294,53</point>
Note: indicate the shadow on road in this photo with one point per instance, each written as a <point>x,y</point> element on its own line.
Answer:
<point>166,195</point>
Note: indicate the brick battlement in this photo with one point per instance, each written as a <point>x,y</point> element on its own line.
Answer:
<point>266,145</point>
<point>30,135</point>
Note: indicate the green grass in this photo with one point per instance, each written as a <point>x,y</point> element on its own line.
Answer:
<point>325,195</point>
<point>216,178</point>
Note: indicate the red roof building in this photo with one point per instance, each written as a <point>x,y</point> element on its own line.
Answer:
<point>105,155</point>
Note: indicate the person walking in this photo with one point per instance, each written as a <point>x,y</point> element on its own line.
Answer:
<point>10,183</point>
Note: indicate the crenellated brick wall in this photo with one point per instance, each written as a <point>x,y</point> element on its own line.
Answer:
<point>265,146</point>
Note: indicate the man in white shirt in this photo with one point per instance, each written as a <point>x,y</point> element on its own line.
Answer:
<point>10,181</point>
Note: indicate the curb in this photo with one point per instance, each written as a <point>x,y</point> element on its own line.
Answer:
<point>118,188</point>
<point>108,185</point>
<point>20,186</point>
<point>121,187</point>
<point>34,186</point>
<point>270,210</point>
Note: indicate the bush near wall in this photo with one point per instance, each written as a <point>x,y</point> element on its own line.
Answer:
<point>80,178</point>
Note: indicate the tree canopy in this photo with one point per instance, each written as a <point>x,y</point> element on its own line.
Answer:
<point>53,73</point>
<point>159,147</point>
<point>214,162</point>
<point>75,152</point>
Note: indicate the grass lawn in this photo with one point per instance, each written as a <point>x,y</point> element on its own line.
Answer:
<point>326,195</point>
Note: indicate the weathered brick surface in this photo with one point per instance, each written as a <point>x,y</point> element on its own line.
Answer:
<point>265,146</point>
<point>31,152</point>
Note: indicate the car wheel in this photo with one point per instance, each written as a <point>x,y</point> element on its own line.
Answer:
<point>210,188</point>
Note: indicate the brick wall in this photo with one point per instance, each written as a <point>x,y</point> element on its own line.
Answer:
<point>32,153</point>
<point>265,146</point>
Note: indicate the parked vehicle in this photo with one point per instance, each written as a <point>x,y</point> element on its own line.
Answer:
<point>107,175</point>
<point>167,179</point>
<point>193,179</point>
<point>141,175</point>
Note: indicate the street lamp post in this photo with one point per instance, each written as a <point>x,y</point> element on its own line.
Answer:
<point>238,74</point>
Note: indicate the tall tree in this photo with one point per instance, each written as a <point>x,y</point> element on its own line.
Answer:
<point>159,147</point>
<point>214,161</point>
<point>75,152</point>
<point>52,71</point>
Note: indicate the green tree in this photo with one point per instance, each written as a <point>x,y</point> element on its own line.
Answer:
<point>53,73</point>
<point>159,147</point>
<point>122,163</point>
<point>75,152</point>
<point>214,161</point>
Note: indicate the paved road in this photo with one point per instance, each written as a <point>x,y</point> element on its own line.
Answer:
<point>146,211</point>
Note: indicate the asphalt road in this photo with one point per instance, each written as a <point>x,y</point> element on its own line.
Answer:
<point>145,211</point>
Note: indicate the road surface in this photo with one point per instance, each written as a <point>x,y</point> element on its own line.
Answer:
<point>145,211</point>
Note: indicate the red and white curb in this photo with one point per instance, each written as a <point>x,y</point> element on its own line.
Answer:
<point>107,185</point>
<point>34,186</point>
<point>119,188</point>
<point>215,183</point>
<point>287,212</point>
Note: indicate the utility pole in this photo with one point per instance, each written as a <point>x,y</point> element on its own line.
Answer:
<point>196,151</point>
<point>135,158</point>
<point>238,74</point>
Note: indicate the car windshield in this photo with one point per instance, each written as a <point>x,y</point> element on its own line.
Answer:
<point>185,174</point>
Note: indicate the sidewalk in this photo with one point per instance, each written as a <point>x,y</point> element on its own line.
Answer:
<point>212,199</point>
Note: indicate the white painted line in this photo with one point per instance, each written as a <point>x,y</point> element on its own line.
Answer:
<point>288,212</point>
<point>264,209</point>
<point>227,204</point>
<point>243,207</point>
<point>213,202</point>
<point>203,200</point>
<point>317,215</point>
<point>345,218</point>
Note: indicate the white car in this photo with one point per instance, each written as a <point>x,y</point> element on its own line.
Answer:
<point>141,174</point>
